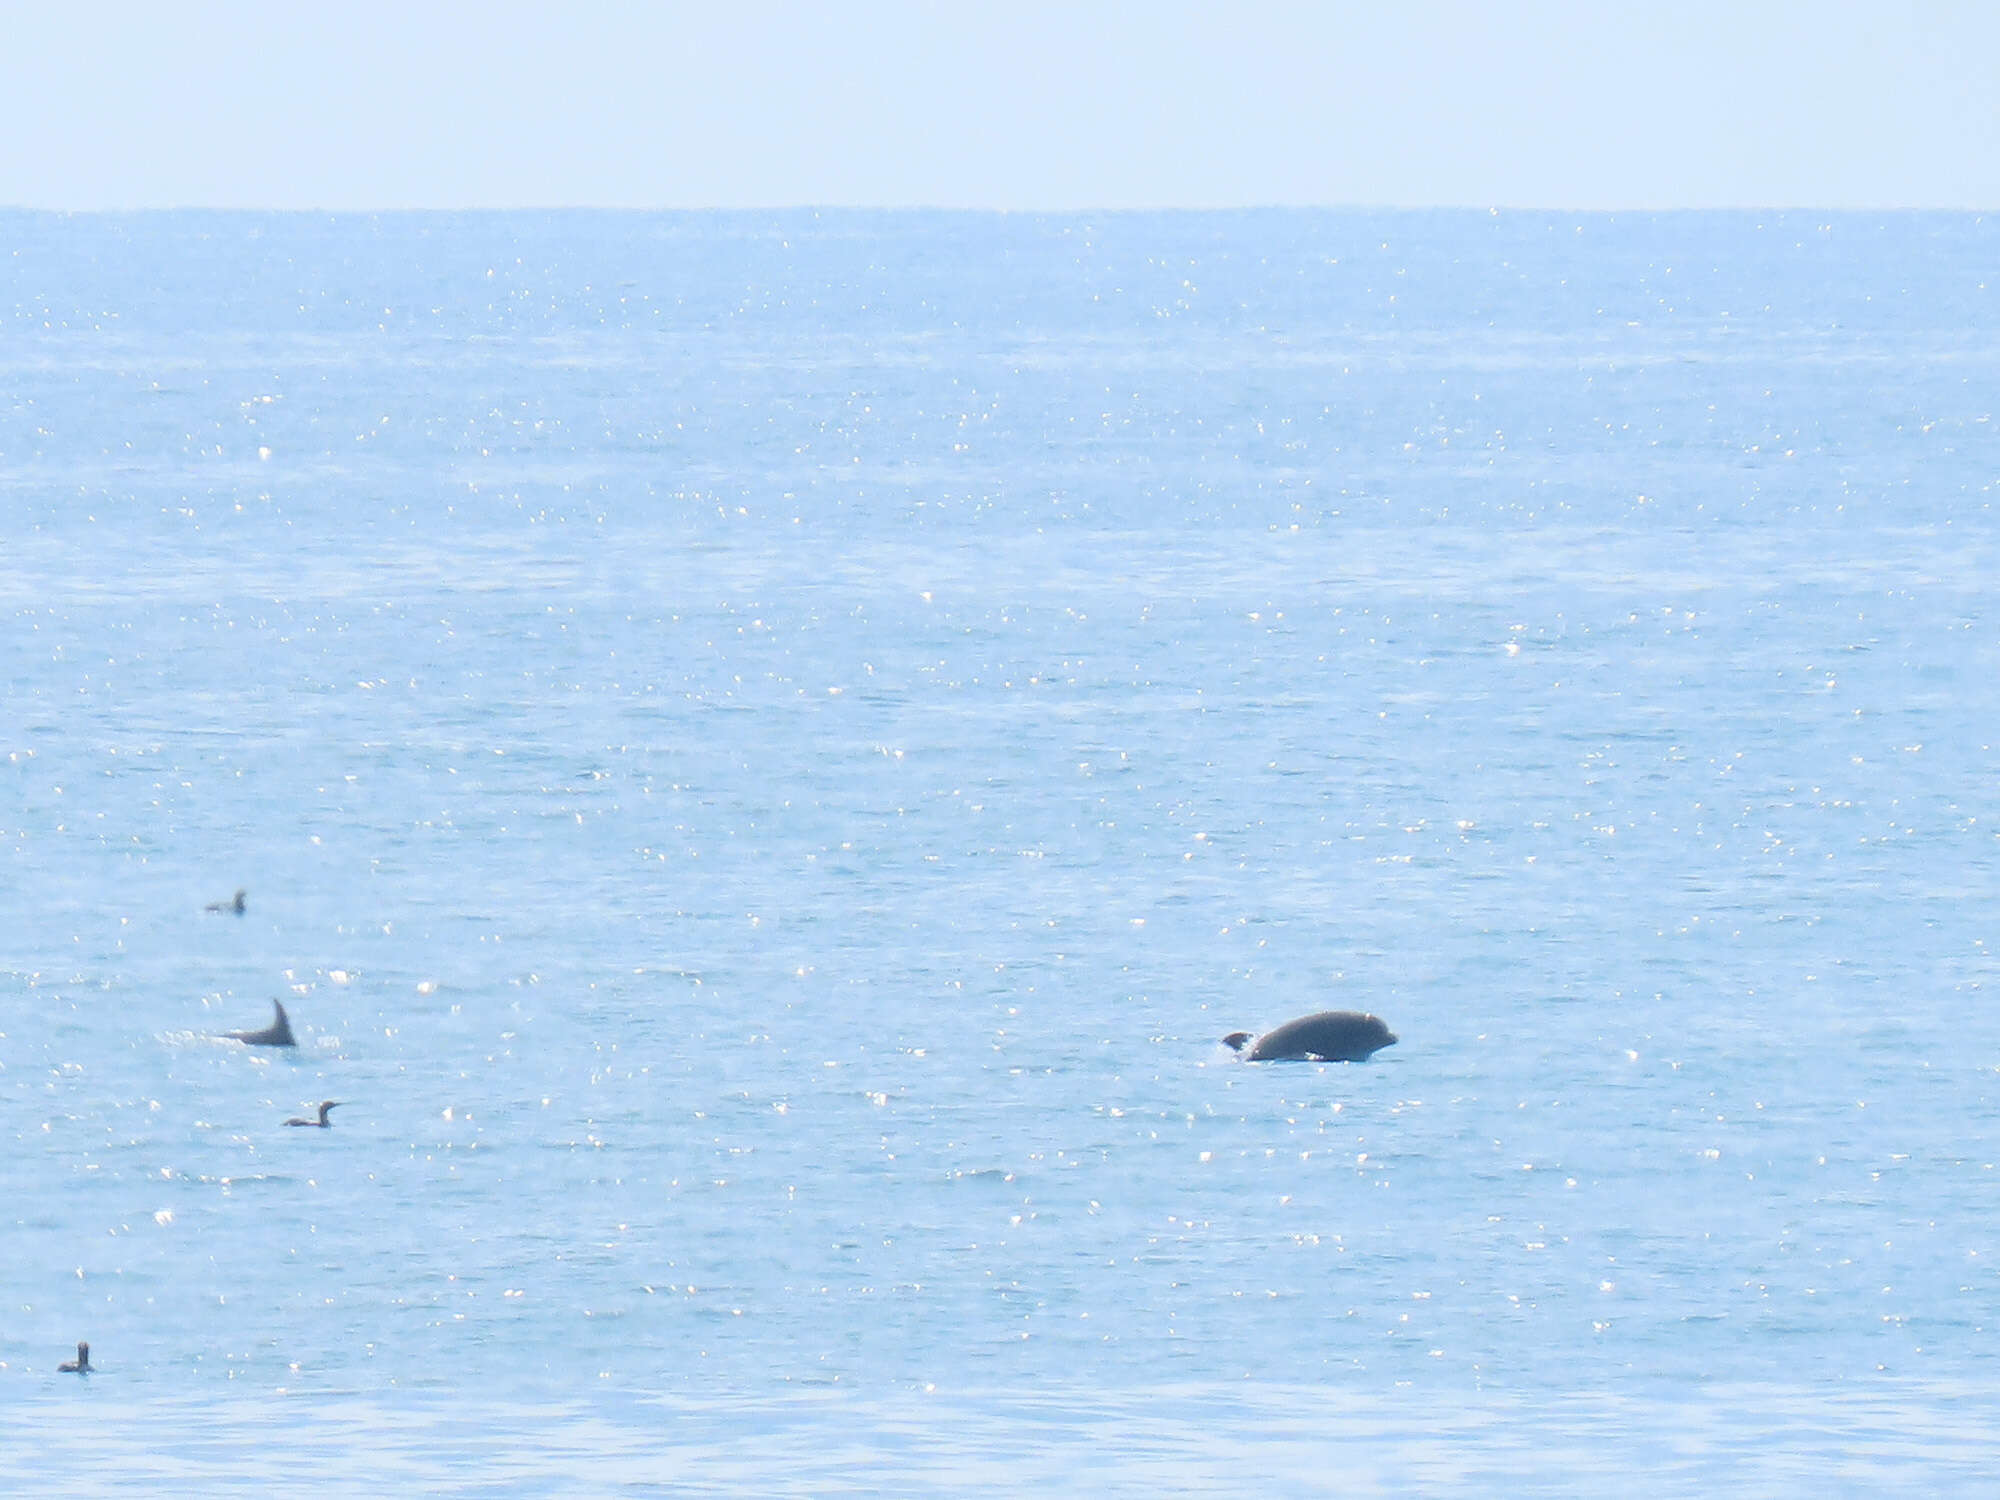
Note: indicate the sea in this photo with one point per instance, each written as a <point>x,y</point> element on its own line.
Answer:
<point>764,752</point>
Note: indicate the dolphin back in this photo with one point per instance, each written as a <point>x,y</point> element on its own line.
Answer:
<point>1328,1036</point>
<point>277,1034</point>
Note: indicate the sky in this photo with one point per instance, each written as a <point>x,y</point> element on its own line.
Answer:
<point>1023,105</point>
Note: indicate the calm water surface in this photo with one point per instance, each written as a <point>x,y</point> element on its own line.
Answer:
<point>765,751</point>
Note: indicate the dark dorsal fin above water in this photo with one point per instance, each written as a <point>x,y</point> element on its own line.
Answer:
<point>277,1034</point>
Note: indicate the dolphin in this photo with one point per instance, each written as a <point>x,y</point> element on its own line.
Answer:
<point>322,1121</point>
<point>1328,1036</point>
<point>277,1034</point>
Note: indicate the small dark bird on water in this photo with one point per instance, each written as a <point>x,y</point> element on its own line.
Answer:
<point>80,1365</point>
<point>277,1034</point>
<point>323,1122</point>
<point>235,906</point>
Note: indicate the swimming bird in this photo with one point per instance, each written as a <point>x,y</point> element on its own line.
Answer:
<point>322,1121</point>
<point>1328,1036</point>
<point>277,1034</point>
<point>235,906</point>
<point>80,1365</point>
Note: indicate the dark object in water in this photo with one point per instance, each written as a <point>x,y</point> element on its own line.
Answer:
<point>235,906</point>
<point>80,1365</point>
<point>277,1034</point>
<point>1329,1036</point>
<point>322,1121</point>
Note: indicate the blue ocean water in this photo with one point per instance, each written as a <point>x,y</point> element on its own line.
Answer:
<point>765,751</point>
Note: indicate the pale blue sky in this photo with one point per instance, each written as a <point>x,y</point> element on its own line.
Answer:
<point>367,105</point>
